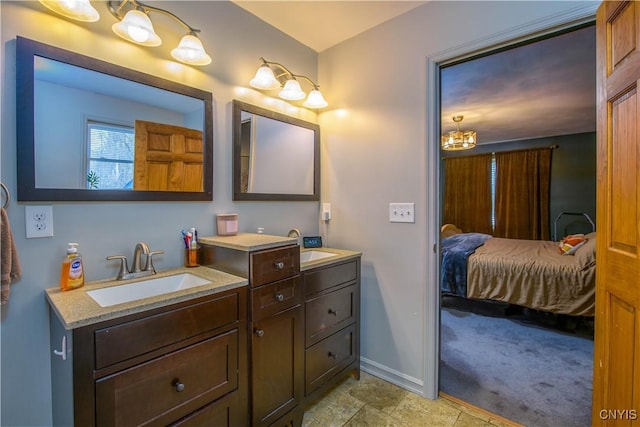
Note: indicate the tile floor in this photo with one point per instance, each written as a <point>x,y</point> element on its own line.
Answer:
<point>377,403</point>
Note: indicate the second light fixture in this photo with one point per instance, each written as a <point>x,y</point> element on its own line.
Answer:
<point>272,75</point>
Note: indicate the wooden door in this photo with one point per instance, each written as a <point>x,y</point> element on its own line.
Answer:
<point>616,386</point>
<point>167,158</point>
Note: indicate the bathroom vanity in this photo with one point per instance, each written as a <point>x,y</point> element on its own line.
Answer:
<point>176,359</point>
<point>256,345</point>
<point>303,320</point>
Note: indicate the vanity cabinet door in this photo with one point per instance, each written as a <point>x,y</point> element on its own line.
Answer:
<point>277,345</point>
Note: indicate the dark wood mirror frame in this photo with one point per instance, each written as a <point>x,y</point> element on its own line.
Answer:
<point>27,191</point>
<point>238,108</point>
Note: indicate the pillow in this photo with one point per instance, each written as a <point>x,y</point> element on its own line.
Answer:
<point>586,254</point>
<point>571,243</point>
<point>449,230</point>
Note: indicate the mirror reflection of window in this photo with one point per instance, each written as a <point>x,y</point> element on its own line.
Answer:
<point>111,151</point>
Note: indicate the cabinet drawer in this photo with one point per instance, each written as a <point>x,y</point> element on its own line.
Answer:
<point>274,264</point>
<point>325,278</point>
<point>271,299</point>
<point>121,342</point>
<point>151,392</point>
<point>329,312</point>
<point>329,356</point>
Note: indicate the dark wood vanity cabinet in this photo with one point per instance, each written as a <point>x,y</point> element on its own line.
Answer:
<point>182,365</point>
<point>277,336</point>
<point>332,325</point>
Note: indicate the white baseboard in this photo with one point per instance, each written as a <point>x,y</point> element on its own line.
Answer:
<point>404,381</point>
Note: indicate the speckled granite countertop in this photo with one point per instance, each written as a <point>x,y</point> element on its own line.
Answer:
<point>75,308</point>
<point>248,241</point>
<point>341,255</point>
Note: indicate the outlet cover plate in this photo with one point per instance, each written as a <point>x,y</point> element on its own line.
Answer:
<point>401,212</point>
<point>38,221</point>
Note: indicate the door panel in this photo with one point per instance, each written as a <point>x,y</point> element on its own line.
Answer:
<point>616,388</point>
<point>167,158</point>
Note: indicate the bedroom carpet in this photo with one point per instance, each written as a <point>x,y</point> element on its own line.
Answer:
<point>516,368</point>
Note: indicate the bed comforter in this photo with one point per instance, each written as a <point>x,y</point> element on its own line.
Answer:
<point>532,273</point>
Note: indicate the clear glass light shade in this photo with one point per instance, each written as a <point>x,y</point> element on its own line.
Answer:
<point>190,51</point>
<point>315,100</point>
<point>292,91</point>
<point>264,79</point>
<point>459,140</point>
<point>136,27</point>
<point>80,10</point>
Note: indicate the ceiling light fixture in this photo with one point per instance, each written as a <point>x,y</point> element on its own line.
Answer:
<point>135,26</point>
<point>272,75</point>
<point>80,10</point>
<point>459,139</point>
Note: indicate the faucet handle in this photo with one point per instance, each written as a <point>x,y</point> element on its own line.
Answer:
<point>124,267</point>
<point>149,264</point>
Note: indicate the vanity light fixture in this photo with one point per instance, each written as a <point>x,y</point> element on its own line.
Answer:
<point>135,26</point>
<point>80,10</point>
<point>272,75</point>
<point>459,139</point>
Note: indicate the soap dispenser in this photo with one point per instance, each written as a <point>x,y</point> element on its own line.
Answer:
<point>71,271</point>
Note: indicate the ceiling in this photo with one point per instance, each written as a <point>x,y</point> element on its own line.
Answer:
<point>321,24</point>
<point>542,89</point>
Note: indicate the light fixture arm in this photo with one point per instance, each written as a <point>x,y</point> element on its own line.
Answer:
<point>287,71</point>
<point>135,4</point>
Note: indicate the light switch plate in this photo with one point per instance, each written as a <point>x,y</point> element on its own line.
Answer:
<point>401,212</point>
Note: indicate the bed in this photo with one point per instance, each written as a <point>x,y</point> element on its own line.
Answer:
<point>528,273</point>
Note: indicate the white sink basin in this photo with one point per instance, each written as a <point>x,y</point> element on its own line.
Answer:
<point>307,256</point>
<point>145,288</point>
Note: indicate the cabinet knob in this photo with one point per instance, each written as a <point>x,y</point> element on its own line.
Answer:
<point>332,311</point>
<point>178,385</point>
<point>332,355</point>
<point>279,265</point>
<point>259,332</point>
<point>279,297</point>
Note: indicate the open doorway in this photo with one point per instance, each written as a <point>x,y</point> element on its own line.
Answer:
<point>523,356</point>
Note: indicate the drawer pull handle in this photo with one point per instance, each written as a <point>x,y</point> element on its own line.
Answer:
<point>332,355</point>
<point>259,332</point>
<point>332,311</point>
<point>279,297</point>
<point>178,385</point>
<point>279,265</point>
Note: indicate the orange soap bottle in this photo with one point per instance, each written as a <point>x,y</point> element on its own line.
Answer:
<point>72,271</point>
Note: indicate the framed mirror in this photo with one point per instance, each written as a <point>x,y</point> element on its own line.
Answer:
<point>275,156</point>
<point>89,130</point>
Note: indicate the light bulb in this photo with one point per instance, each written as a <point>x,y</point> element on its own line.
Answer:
<point>264,79</point>
<point>136,27</point>
<point>190,51</point>
<point>292,91</point>
<point>315,100</point>
<point>80,10</point>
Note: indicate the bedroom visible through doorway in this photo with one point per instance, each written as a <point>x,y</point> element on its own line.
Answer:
<point>518,342</point>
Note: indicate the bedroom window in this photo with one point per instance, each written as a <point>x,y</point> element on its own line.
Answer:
<point>505,194</point>
<point>110,156</point>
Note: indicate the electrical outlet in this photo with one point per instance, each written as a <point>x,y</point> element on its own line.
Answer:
<point>39,221</point>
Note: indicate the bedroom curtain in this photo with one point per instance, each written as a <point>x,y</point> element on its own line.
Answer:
<point>467,193</point>
<point>522,194</point>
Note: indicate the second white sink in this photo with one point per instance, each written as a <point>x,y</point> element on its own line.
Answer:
<point>113,295</point>
<point>307,256</point>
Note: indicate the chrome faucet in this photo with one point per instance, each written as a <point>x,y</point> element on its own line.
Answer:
<point>294,232</point>
<point>136,270</point>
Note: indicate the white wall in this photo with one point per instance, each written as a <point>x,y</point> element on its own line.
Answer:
<point>376,141</point>
<point>235,40</point>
